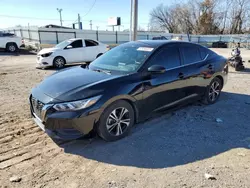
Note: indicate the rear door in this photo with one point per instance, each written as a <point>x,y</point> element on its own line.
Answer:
<point>164,90</point>
<point>91,50</point>
<point>196,69</point>
<point>74,54</point>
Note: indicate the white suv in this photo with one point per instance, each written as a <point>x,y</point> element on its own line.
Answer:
<point>71,51</point>
<point>10,42</point>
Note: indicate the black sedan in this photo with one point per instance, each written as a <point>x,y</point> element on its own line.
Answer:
<point>219,44</point>
<point>125,86</point>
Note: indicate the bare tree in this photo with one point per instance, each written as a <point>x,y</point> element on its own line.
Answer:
<point>164,17</point>
<point>203,17</point>
<point>239,13</point>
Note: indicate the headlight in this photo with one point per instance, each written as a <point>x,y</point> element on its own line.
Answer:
<point>76,105</point>
<point>47,54</point>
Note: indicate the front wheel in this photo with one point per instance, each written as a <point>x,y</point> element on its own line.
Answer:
<point>213,91</point>
<point>59,62</point>
<point>116,121</point>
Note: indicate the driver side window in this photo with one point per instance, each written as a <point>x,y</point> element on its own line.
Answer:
<point>167,57</point>
<point>76,44</point>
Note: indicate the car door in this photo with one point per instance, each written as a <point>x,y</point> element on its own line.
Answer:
<point>91,50</point>
<point>73,52</point>
<point>163,90</point>
<point>196,69</point>
<point>2,40</point>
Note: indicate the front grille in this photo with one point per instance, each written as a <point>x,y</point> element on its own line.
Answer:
<point>37,106</point>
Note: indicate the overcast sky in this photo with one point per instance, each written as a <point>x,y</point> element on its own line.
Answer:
<point>43,12</point>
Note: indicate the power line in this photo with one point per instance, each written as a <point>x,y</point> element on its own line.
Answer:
<point>34,18</point>
<point>39,18</point>
<point>90,9</point>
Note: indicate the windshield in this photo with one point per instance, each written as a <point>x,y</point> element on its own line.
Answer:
<point>63,44</point>
<point>125,58</point>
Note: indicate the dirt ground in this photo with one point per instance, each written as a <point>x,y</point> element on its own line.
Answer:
<point>172,150</point>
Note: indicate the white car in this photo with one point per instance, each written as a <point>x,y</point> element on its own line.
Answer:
<point>71,51</point>
<point>10,42</point>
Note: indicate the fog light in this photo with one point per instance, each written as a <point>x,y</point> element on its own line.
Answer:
<point>44,63</point>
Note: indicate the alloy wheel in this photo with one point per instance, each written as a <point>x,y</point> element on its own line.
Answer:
<point>59,62</point>
<point>12,48</point>
<point>214,91</point>
<point>118,121</point>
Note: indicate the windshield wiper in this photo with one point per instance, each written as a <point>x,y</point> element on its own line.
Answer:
<point>101,70</point>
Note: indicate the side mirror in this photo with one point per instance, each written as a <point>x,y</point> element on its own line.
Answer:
<point>156,69</point>
<point>69,47</point>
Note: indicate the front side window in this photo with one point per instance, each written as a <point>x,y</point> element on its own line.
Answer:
<point>190,53</point>
<point>167,57</point>
<point>76,44</point>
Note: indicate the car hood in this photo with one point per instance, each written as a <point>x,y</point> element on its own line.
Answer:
<point>73,84</point>
<point>47,50</point>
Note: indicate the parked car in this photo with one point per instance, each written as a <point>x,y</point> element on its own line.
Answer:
<point>71,51</point>
<point>159,38</point>
<point>125,86</point>
<point>10,42</point>
<point>219,44</point>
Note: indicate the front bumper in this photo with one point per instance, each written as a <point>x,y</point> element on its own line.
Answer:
<point>65,125</point>
<point>43,62</point>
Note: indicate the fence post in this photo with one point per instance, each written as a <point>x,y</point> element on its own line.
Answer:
<point>29,34</point>
<point>56,37</point>
<point>220,38</point>
<point>198,39</point>
<point>75,34</point>
<point>21,32</point>
<point>116,37</point>
<point>97,37</point>
<point>39,36</point>
<point>147,37</point>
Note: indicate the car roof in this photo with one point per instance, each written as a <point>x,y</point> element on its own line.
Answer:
<point>74,39</point>
<point>158,43</point>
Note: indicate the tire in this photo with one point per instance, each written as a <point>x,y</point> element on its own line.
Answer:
<point>112,126</point>
<point>11,47</point>
<point>212,95</point>
<point>98,55</point>
<point>59,62</point>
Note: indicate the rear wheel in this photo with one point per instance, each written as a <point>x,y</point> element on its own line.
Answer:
<point>98,55</point>
<point>11,47</point>
<point>213,91</point>
<point>59,62</point>
<point>116,121</point>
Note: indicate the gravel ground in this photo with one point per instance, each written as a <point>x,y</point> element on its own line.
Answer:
<point>172,150</point>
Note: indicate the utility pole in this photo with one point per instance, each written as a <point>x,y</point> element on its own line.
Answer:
<point>60,12</point>
<point>79,22</point>
<point>90,23</point>
<point>134,19</point>
<point>97,27</point>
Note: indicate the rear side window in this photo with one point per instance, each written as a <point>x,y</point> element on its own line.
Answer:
<point>76,44</point>
<point>203,52</point>
<point>190,54</point>
<point>167,57</point>
<point>90,43</point>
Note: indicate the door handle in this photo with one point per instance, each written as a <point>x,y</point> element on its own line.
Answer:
<point>181,75</point>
